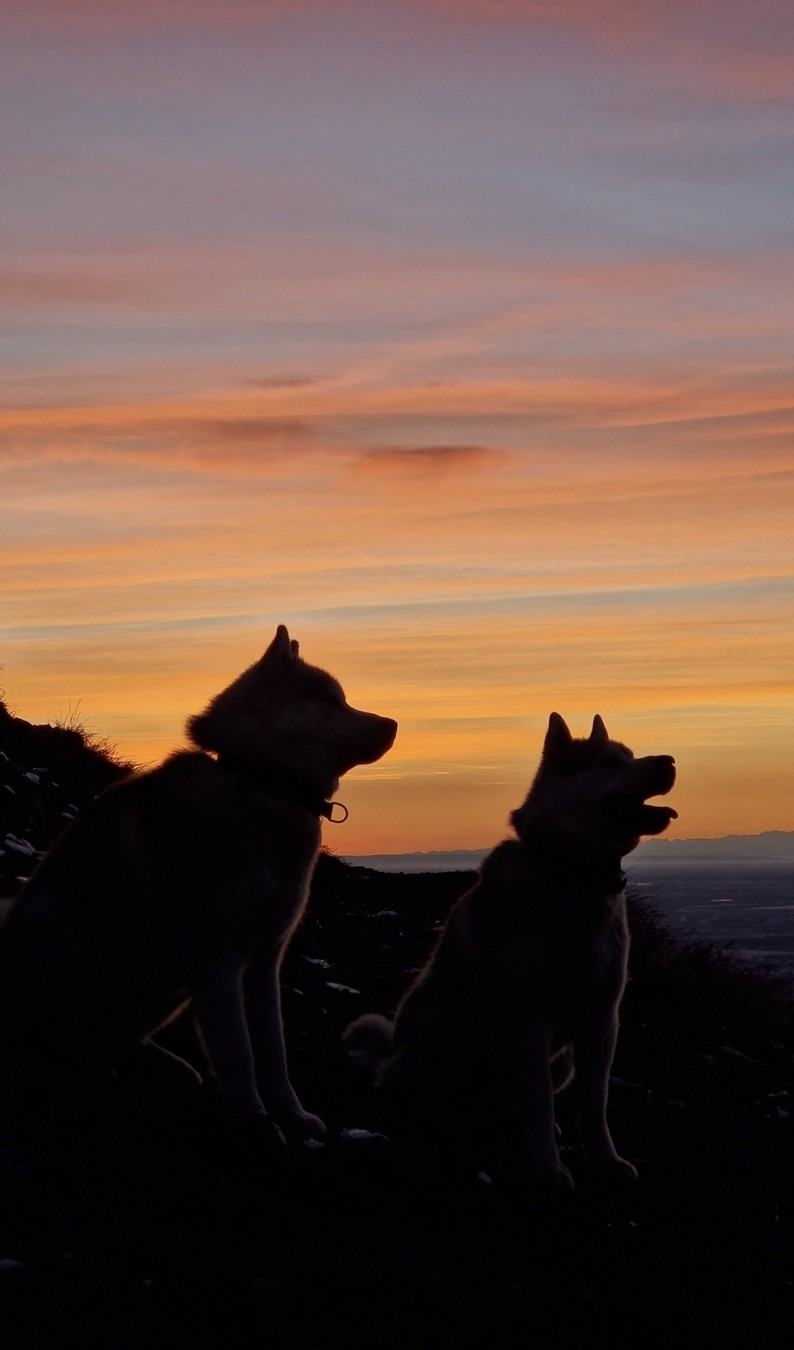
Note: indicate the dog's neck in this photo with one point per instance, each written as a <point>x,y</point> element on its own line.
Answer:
<point>573,863</point>
<point>259,776</point>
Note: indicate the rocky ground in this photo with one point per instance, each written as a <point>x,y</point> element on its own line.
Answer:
<point>141,1228</point>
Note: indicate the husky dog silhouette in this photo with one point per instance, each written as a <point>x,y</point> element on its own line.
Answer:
<point>183,885</point>
<point>527,977</point>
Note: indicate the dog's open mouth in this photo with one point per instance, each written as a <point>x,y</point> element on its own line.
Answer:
<point>638,818</point>
<point>630,810</point>
<point>656,818</point>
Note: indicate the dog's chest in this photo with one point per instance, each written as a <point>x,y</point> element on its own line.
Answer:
<point>585,956</point>
<point>270,877</point>
<point>242,882</point>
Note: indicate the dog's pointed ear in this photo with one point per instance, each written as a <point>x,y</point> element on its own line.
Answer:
<point>558,737</point>
<point>282,649</point>
<point>599,732</point>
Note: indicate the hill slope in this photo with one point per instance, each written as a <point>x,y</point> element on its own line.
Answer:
<point>140,1229</point>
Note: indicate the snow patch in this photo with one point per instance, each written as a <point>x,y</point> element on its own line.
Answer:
<point>356,1134</point>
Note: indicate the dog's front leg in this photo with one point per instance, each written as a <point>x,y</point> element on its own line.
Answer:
<point>263,1009</point>
<point>219,1009</point>
<point>593,1054</point>
<point>535,1104</point>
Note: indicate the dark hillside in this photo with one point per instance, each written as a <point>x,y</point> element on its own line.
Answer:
<point>139,1229</point>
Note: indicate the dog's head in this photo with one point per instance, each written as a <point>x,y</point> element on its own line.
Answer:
<point>294,717</point>
<point>594,792</point>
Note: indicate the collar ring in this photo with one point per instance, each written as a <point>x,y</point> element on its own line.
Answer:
<point>337,820</point>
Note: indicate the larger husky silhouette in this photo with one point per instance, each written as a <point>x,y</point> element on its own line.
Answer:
<point>183,885</point>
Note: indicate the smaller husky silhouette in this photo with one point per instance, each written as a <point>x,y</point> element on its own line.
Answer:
<point>528,974</point>
<point>183,885</point>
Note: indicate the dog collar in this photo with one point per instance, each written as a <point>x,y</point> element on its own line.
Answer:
<point>283,787</point>
<point>613,881</point>
<point>592,880</point>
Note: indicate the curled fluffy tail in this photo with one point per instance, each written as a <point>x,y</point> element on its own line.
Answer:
<point>369,1041</point>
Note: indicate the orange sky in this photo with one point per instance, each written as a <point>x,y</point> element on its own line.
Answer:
<point>457,336</point>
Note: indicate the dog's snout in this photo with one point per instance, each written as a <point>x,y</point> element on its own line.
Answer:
<point>667,766</point>
<point>375,736</point>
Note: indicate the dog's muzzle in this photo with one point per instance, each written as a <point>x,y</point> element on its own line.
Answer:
<point>631,809</point>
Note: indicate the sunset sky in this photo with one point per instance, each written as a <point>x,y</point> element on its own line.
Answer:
<point>457,335</point>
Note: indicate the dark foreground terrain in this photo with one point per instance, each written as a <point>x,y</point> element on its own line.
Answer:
<point>135,1224</point>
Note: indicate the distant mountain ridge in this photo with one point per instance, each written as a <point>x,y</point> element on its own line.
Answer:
<point>770,846</point>
<point>437,860</point>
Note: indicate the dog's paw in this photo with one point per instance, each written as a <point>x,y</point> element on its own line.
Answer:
<point>302,1124</point>
<point>552,1177</point>
<point>250,1144</point>
<point>255,1133</point>
<point>616,1171</point>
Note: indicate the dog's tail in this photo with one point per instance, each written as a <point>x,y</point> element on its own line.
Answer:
<point>369,1041</point>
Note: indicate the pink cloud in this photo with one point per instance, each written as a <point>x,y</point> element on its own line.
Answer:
<point>100,19</point>
<point>729,49</point>
<point>282,381</point>
<point>762,77</point>
<point>430,461</point>
<point>466,289</point>
<point>720,48</point>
